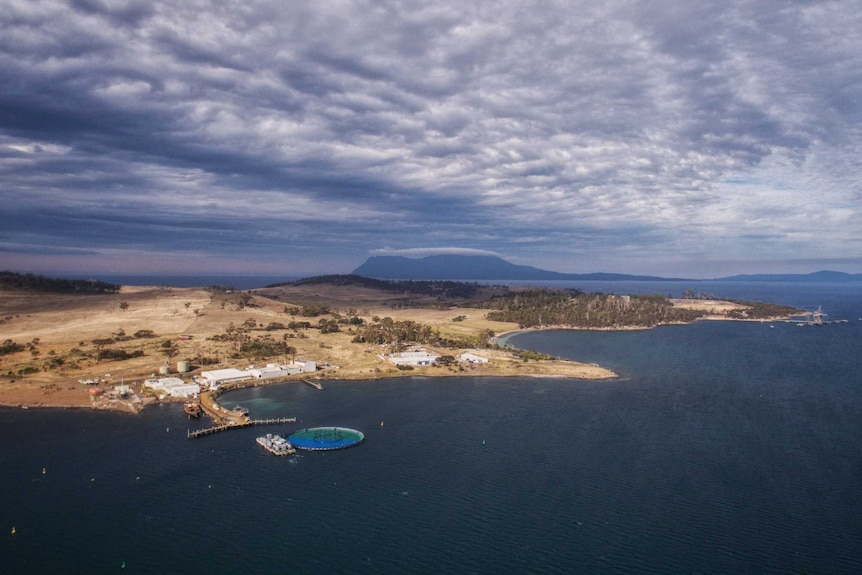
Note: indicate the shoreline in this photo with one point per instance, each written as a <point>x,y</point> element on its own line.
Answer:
<point>60,338</point>
<point>503,339</point>
<point>502,368</point>
<point>544,369</point>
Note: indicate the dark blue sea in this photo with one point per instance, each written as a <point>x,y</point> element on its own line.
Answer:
<point>724,447</point>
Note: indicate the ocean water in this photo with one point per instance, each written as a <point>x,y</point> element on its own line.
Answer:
<point>241,282</point>
<point>724,447</point>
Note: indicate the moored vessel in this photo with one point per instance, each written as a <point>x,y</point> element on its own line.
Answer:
<point>192,409</point>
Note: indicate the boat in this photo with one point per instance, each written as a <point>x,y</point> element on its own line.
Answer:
<point>192,409</point>
<point>276,444</point>
<point>240,410</point>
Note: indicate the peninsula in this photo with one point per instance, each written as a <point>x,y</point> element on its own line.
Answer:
<point>62,348</point>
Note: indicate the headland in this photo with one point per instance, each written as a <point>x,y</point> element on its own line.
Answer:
<point>98,350</point>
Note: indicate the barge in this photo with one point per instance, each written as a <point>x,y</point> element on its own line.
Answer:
<point>276,444</point>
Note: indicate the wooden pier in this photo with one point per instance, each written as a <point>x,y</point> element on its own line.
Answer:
<point>247,423</point>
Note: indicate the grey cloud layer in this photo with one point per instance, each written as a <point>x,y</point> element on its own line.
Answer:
<point>611,129</point>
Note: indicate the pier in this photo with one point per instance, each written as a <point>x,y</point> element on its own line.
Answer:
<point>246,423</point>
<point>313,384</point>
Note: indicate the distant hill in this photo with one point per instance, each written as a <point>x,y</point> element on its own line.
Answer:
<point>461,267</point>
<point>821,276</point>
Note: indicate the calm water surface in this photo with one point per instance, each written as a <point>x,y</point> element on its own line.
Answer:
<point>724,447</point>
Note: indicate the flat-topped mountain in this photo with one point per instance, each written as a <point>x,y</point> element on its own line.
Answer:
<point>463,267</point>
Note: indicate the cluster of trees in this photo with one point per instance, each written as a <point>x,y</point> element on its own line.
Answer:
<point>760,310</point>
<point>387,331</point>
<point>32,282</point>
<point>118,354</point>
<point>261,348</point>
<point>567,307</point>
<point>309,310</point>
<point>328,326</point>
<point>325,325</point>
<point>9,346</point>
<point>439,289</point>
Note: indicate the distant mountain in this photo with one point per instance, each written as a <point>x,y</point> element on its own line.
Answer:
<point>821,276</point>
<point>461,267</point>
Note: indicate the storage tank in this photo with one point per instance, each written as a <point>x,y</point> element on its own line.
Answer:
<point>183,366</point>
<point>164,370</point>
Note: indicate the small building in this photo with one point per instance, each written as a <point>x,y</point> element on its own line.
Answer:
<point>123,390</point>
<point>472,358</point>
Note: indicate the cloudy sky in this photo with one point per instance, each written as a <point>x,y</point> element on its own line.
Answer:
<point>256,136</point>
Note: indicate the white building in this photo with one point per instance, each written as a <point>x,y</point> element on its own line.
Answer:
<point>173,387</point>
<point>219,376</point>
<point>304,366</point>
<point>472,358</point>
<point>273,370</point>
<point>416,358</point>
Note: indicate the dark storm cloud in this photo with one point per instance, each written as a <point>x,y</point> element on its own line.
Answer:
<point>573,134</point>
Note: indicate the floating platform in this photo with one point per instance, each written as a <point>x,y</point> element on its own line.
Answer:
<point>325,438</point>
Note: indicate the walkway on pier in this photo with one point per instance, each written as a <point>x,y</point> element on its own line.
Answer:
<point>247,423</point>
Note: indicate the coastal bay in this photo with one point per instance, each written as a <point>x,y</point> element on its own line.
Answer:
<point>722,447</point>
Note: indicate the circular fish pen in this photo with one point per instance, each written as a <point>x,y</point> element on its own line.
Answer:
<point>325,438</point>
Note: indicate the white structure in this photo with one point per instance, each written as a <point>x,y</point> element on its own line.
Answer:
<point>219,376</point>
<point>417,358</point>
<point>123,390</point>
<point>273,370</point>
<point>305,366</point>
<point>173,387</point>
<point>472,358</point>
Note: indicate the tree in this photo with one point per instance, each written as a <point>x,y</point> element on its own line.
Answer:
<point>124,305</point>
<point>169,349</point>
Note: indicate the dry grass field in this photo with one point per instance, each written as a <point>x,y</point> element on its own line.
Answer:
<point>58,332</point>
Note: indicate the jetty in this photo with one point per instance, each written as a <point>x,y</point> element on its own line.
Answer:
<point>313,384</point>
<point>238,425</point>
<point>816,318</point>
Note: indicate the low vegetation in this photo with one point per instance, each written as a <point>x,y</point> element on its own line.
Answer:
<point>572,308</point>
<point>387,331</point>
<point>760,310</point>
<point>32,282</point>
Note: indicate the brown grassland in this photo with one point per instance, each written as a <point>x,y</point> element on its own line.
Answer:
<point>58,332</point>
